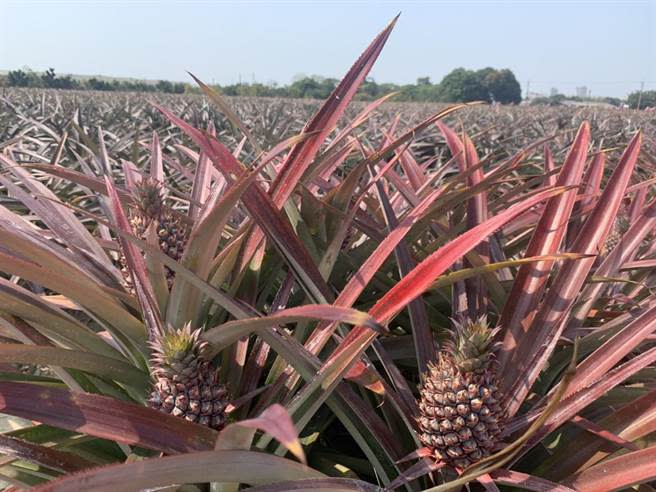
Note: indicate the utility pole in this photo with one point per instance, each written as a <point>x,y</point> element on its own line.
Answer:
<point>528,86</point>
<point>642,87</point>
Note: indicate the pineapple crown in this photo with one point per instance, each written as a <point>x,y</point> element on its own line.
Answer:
<point>472,347</point>
<point>175,346</point>
<point>149,197</point>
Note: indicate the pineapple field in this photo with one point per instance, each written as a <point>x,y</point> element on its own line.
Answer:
<point>207,293</point>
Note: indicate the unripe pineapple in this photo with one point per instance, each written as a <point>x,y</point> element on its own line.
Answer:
<point>460,407</point>
<point>186,385</point>
<point>614,238</point>
<point>172,233</point>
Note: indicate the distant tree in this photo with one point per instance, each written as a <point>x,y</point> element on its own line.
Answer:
<point>462,85</point>
<point>49,78</point>
<point>164,86</point>
<point>328,85</point>
<point>501,85</point>
<point>487,84</point>
<point>387,88</point>
<point>304,87</point>
<point>427,92</point>
<point>136,86</point>
<point>369,90</point>
<point>486,72</point>
<point>18,78</point>
<point>423,90</point>
<point>67,82</point>
<point>312,88</point>
<point>615,101</point>
<point>648,99</point>
<point>98,85</point>
<point>228,90</point>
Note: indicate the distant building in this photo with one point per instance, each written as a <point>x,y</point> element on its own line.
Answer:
<point>582,91</point>
<point>554,91</point>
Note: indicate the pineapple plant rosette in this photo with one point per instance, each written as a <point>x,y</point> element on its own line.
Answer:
<point>246,290</point>
<point>186,384</point>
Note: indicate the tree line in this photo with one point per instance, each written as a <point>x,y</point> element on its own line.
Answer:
<point>642,100</point>
<point>461,85</point>
<point>50,80</point>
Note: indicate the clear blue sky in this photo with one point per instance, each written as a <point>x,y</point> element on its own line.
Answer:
<point>607,45</point>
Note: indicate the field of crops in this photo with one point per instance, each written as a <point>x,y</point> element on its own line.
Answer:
<point>47,116</point>
<point>303,295</point>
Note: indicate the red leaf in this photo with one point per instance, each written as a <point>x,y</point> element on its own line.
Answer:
<point>276,421</point>
<point>531,354</point>
<point>587,449</point>
<point>597,430</point>
<point>418,470</point>
<point>421,331</point>
<point>43,455</point>
<point>321,125</point>
<point>528,482</point>
<point>531,278</point>
<point>263,211</point>
<point>368,269</point>
<point>136,264</point>
<point>616,259</point>
<point>324,121</point>
<point>572,405</point>
<point>229,466</point>
<point>597,365</point>
<point>617,473</point>
<point>420,278</point>
<point>477,212</point>
<point>104,417</point>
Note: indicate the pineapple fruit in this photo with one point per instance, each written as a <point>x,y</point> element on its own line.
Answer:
<point>172,233</point>
<point>614,238</point>
<point>186,384</point>
<point>460,418</point>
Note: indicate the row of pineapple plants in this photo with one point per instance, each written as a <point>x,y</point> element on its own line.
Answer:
<point>334,299</point>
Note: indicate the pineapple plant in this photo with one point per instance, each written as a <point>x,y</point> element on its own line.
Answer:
<point>460,413</point>
<point>150,211</point>
<point>186,384</point>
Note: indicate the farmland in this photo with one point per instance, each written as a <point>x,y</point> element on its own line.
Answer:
<point>327,262</point>
<point>38,119</point>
